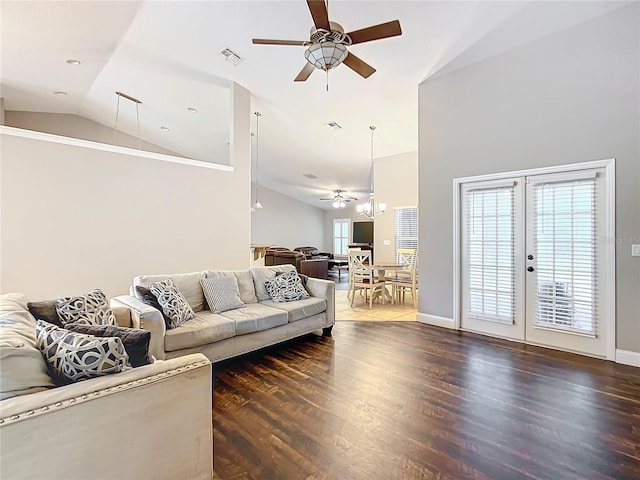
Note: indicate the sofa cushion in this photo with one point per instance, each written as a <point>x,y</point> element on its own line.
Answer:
<point>262,274</point>
<point>45,310</point>
<point>221,293</point>
<point>299,309</point>
<point>73,357</point>
<point>256,317</point>
<point>206,328</point>
<point>187,283</point>
<point>135,340</point>
<point>174,304</point>
<point>286,287</point>
<point>89,309</point>
<point>23,368</point>
<point>245,282</point>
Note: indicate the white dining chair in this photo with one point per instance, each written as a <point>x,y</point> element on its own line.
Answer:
<point>364,278</point>
<point>405,280</point>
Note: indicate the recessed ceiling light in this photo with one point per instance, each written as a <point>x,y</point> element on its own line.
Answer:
<point>72,61</point>
<point>61,94</point>
<point>164,129</point>
<point>192,110</point>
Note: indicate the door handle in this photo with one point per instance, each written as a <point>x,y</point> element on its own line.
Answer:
<point>530,269</point>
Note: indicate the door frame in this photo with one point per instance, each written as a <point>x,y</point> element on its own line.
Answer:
<point>609,250</point>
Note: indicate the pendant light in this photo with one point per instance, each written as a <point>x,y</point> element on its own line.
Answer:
<point>371,209</point>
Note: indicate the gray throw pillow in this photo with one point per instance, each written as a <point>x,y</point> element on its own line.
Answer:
<point>222,293</point>
<point>45,310</point>
<point>72,357</point>
<point>286,287</point>
<point>135,340</point>
<point>173,303</point>
<point>88,309</point>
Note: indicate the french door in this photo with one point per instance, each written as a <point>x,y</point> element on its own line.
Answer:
<point>532,267</point>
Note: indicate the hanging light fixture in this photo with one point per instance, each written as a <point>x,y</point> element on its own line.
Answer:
<point>257,205</point>
<point>130,98</point>
<point>371,209</point>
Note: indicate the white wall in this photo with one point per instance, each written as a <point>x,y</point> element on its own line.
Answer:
<point>285,221</point>
<point>571,97</point>
<point>74,218</point>
<point>396,183</point>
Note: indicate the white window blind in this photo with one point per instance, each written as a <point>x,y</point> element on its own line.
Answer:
<point>406,228</point>
<point>565,255</point>
<point>340,236</point>
<point>489,253</point>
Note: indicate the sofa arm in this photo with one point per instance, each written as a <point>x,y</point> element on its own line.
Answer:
<point>324,289</point>
<point>149,422</point>
<point>146,317</point>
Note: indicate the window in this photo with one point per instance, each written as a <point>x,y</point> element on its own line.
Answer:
<point>340,236</point>
<point>406,228</point>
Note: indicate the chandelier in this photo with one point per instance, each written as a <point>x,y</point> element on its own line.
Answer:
<point>371,209</point>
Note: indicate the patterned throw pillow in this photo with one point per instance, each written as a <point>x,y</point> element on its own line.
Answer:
<point>135,340</point>
<point>173,303</point>
<point>89,309</point>
<point>222,293</point>
<point>72,357</point>
<point>286,287</point>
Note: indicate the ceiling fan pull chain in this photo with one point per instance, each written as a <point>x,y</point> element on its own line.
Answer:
<point>327,79</point>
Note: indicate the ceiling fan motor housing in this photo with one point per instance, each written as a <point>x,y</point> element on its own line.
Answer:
<point>335,35</point>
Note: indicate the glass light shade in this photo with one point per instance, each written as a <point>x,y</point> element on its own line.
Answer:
<point>382,207</point>
<point>336,204</point>
<point>257,205</point>
<point>326,55</point>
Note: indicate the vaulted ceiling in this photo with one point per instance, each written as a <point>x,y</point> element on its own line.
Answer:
<point>167,55</point>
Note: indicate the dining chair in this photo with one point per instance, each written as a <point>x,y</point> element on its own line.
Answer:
<point>405,280</point>
<point>364,278</point>
<point>349,266</point>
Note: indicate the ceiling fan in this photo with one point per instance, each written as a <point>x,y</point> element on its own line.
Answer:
<point>327,44</point>
<point>339,200</point>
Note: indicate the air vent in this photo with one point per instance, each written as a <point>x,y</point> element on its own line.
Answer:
<point>231,56</point>
<point>310,176</point>
<point>333,125</point>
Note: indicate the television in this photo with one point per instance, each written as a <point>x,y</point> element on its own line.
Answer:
<point>363,232</point>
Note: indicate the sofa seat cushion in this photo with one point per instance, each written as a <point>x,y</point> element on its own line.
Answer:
<point>245,282</point>
<point>187,283</point>
<point>300,308</point>
<point>256,317</point>
<point>206,328</point>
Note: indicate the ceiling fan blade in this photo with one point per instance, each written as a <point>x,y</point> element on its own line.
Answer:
<point>359,66</point>
<point>325,199</point>
<point>265,41</point>
<point>305,72</point>
<point>376,32</point>
<point>318,9</point>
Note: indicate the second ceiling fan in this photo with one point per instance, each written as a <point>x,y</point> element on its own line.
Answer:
<point>327,44</point>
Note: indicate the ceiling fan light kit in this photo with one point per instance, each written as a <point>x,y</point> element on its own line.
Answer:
<point>339,200</point>
<point>327,44</point>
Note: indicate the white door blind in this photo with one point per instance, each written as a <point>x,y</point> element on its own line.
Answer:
<point>489,250</point>
<point>565,255</point>
<point>406,228</point>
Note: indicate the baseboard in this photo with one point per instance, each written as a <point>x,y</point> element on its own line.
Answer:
<point>435,320</point>
<point>628,358</point>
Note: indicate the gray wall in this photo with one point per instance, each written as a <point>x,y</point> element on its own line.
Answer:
<point>570,97</point>
<point>285,221</point>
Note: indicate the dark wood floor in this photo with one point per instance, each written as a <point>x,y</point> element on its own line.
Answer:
<point>385,400</point>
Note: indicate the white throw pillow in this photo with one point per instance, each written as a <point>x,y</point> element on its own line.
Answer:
<point>222,293</point>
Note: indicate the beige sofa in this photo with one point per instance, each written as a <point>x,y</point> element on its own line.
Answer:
<point>260,323</point>
<point>151,422</point>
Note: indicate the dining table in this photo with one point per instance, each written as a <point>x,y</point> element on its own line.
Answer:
<point>382,268</point>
